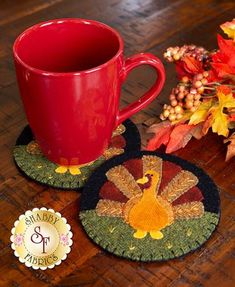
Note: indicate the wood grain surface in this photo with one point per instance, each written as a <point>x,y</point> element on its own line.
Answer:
<point>146,25</point>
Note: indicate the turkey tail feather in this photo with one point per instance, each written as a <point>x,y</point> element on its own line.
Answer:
<point>188,210</point>
<point>109,208</point>
<point>152,162</point>
<point>181,183</point>
<point>124,181</point>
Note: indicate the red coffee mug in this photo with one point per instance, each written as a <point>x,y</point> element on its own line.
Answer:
<point>70,73</point>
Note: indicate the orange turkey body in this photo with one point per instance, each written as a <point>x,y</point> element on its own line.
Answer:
<point>149,213</point>
<point>152,208</point>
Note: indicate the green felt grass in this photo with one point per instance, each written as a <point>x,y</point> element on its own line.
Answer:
<point>39,168</point>
<point>115,236</point>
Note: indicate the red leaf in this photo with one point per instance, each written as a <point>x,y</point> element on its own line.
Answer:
<point>162,133</point>
<point>180,70</point>
<point>192,65</point>
<point>227,49</point>
<point>213,76</point>
<point>223,89</point>
<point>188,66</point>
<point>223,61</point>
<point>223,70</point>
<point>179,137</point>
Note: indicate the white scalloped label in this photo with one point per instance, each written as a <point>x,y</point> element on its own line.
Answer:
<point>41,238</point>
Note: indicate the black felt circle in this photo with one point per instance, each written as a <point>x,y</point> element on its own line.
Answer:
<point>90,198</point>
<point>131,136</point>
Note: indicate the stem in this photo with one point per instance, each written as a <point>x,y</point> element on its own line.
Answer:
<point>214,83</point>
<point>219,84</point>
<point>208,88</point>
<point>208,97</point>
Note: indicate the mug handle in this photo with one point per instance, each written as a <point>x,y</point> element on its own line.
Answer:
<point>152,93</point>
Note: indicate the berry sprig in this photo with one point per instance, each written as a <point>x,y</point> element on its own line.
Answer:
<point>177,53</point>
<point>204,98</point>
<point>186,96</point>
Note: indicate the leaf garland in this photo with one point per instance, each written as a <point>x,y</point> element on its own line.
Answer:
<point>216,110</point>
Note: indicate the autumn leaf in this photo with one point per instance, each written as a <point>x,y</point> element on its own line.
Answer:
<point>229,29</point>
<point>220,120</point>
<point>207,124</point>
<point>180,70</point>
<point>231,147</point>
<point>213,76</point>
<point>192,65</point>
<point>201,114</point>
<point>223,62</point>
<point>155,128</point>
<point>162,133</point>
<point>225,96</point>
<point>174,137</point>
<point>212,114</point>
<point>197,132</point>
<point>179,137</point>
<point>224,90</point>
<point>188,66</point>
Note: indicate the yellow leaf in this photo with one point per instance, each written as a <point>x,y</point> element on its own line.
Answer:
<point>201,113</point>
<point>229,29</point>
<point>219,122</point>
<point>225,96</point>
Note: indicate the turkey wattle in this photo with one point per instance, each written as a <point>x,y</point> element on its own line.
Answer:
<point>148,209</point>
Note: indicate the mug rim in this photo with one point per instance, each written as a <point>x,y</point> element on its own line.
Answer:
<point>59,21</point>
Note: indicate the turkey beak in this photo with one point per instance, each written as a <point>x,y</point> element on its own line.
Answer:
<point>143,180</point>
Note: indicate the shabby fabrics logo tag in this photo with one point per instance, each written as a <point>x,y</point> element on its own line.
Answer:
<point>41,238</point>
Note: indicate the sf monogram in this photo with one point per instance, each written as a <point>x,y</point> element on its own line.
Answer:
<point>41,238</point>
<point>38,238</point>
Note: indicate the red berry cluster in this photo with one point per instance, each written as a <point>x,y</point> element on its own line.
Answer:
<point>176,53</point>
<point>186,96</point>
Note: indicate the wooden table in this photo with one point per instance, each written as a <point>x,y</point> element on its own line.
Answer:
<point>146,25</point>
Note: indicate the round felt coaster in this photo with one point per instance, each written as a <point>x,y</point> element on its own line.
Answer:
<point>32,163</point>
<point>147,206</point>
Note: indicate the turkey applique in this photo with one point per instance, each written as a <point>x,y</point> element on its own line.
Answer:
<point>152,202</point>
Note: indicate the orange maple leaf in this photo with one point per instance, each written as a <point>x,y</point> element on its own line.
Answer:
<point>179,137</point>
<point>162,133</point>
<point>188,66</point>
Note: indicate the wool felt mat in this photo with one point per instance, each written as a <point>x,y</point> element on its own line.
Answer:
<point>146,206</point>
<point>33,164</point>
